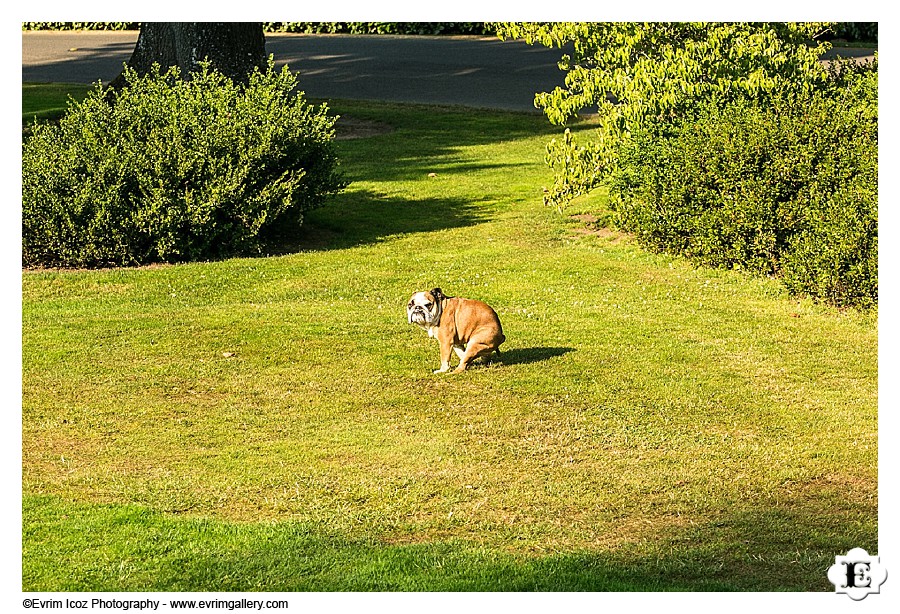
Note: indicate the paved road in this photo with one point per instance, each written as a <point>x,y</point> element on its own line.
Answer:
<point>470,71</point>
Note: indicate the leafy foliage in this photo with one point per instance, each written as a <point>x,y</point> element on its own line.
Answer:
<point>790,189</point>
<point>729,143</point>
<point>637,73</point>
<point>851,31</point>
<point>380,27</point>
<point>79,25</point>
<point>173,170</point>
<point>856,31</point>
<point>305,27</point>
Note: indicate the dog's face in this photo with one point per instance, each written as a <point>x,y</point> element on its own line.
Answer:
<point>424,308</point>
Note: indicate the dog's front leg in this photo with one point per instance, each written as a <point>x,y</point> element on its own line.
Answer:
<point>446,351</point>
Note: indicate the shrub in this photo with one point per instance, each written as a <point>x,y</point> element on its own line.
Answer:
<point>635,74</point>
<point>856,31</point>
<point>172,170</point>
<point>79,25</point>
<point>787,189</point>
<point>421,28</point>
<point>835,256</point>
<point>305,27</point>
<point>853,31</point>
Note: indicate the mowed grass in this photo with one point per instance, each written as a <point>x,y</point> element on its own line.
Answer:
<point>46,101</point>
<point>272,423</point>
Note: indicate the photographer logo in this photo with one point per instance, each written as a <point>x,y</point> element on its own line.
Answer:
<point>857,575</point>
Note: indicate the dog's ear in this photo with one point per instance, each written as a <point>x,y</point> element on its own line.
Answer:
<point>437,294</point>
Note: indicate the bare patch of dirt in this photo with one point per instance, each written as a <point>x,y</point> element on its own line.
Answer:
<point>354,128</point>
<point>593,226</point>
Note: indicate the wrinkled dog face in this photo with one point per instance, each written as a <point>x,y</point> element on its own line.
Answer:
<point>423,309</point>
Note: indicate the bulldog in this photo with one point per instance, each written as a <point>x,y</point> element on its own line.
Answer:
<point>468,327</point>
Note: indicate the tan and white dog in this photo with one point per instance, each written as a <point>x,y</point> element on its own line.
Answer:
<point>468,327</point>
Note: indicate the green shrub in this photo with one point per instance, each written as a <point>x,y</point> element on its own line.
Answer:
<point>173,170</point>
<point>787,189</point>
<point>80,25</point>
<point>636,74</point>
<point>304,27</point>
<point>380,27</point>
<point>856,31</point>
<point>835,257</point>
<point>718,191</point>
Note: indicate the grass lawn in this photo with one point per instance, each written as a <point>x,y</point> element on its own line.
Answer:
<point>45,101</point>
<point>272,423</point>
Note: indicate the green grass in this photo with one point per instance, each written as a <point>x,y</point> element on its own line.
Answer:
<point>47,101</point>
<point>272,423</point>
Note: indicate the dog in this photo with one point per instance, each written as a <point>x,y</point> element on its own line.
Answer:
<point>468,327</point>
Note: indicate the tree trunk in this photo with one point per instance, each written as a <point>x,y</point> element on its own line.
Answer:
<point>234,49</point>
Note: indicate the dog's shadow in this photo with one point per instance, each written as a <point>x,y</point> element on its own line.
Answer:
<point>521,356</point>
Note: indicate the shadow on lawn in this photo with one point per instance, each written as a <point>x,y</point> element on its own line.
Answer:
<point>425,144</point>
<point>360,217</point>
<point>518,356</point>
<point>786,547</point>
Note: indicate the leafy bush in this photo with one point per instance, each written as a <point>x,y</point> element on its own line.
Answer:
<point>304,27</point>
<point>380,27</point>
<point>80,25</point>
<point>635,74</point>
<point>173,170</point>
<point>835,257</point>
<point>851,31</point>
<point>856,31</point>
<point>787,189</point>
